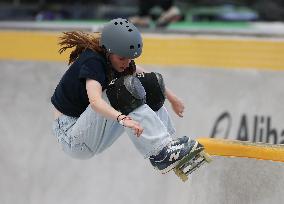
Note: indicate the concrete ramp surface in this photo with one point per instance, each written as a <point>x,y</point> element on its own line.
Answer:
<point>34,169</point>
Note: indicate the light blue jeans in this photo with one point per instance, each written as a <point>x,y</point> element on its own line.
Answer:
<point>92,133</point>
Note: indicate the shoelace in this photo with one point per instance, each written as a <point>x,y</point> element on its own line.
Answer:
<point>174,148</point>
<point>175,142</point>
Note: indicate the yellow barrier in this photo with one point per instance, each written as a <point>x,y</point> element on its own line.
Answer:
<point>234,148</point>
<point>160,50</point>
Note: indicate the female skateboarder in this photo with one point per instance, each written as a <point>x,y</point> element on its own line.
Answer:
<point>103,93</point>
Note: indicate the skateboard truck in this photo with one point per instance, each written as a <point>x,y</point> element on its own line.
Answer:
<point>189,164</point>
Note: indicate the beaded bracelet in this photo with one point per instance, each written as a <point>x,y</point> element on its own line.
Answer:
<point>121,122</point>
<point>118,117</point>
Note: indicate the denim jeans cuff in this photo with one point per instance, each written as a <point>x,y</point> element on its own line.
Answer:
<point>158,147</point>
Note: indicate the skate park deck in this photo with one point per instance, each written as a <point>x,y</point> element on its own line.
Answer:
<point>35,170</point>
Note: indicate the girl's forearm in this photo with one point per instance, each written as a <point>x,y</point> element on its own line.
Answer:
<point>98,104</point>
<point>170,95</point>
<point>102,107</point>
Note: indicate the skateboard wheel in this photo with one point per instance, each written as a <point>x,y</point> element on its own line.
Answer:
<point>206,156</point>
<point>181,175</point>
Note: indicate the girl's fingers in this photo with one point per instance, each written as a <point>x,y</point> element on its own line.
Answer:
<point>180,111</point>
<point>141,130</point>
<point>137,130</point>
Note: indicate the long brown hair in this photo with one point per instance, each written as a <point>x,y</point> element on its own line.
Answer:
<point>82,41</point>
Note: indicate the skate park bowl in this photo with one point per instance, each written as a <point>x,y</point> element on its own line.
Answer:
<point>232,88</point>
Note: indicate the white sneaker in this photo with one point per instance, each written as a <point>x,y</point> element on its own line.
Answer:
<point>172,15</point>
<point>140,21</point>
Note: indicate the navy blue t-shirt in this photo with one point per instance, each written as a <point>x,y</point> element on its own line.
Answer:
<point>70,96</point>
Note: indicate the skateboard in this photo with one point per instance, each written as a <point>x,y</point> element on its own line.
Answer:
<point>190,163</point>
<point>228,148</point>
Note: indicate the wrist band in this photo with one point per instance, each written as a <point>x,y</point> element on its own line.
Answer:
<point>121,122</point>
<point>118,117</point>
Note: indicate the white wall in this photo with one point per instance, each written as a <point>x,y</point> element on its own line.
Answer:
<point>33,169</point>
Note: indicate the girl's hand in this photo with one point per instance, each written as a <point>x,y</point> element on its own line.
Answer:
<point>135,126</point>
<point>178,106</point>
<point>176,103</point>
